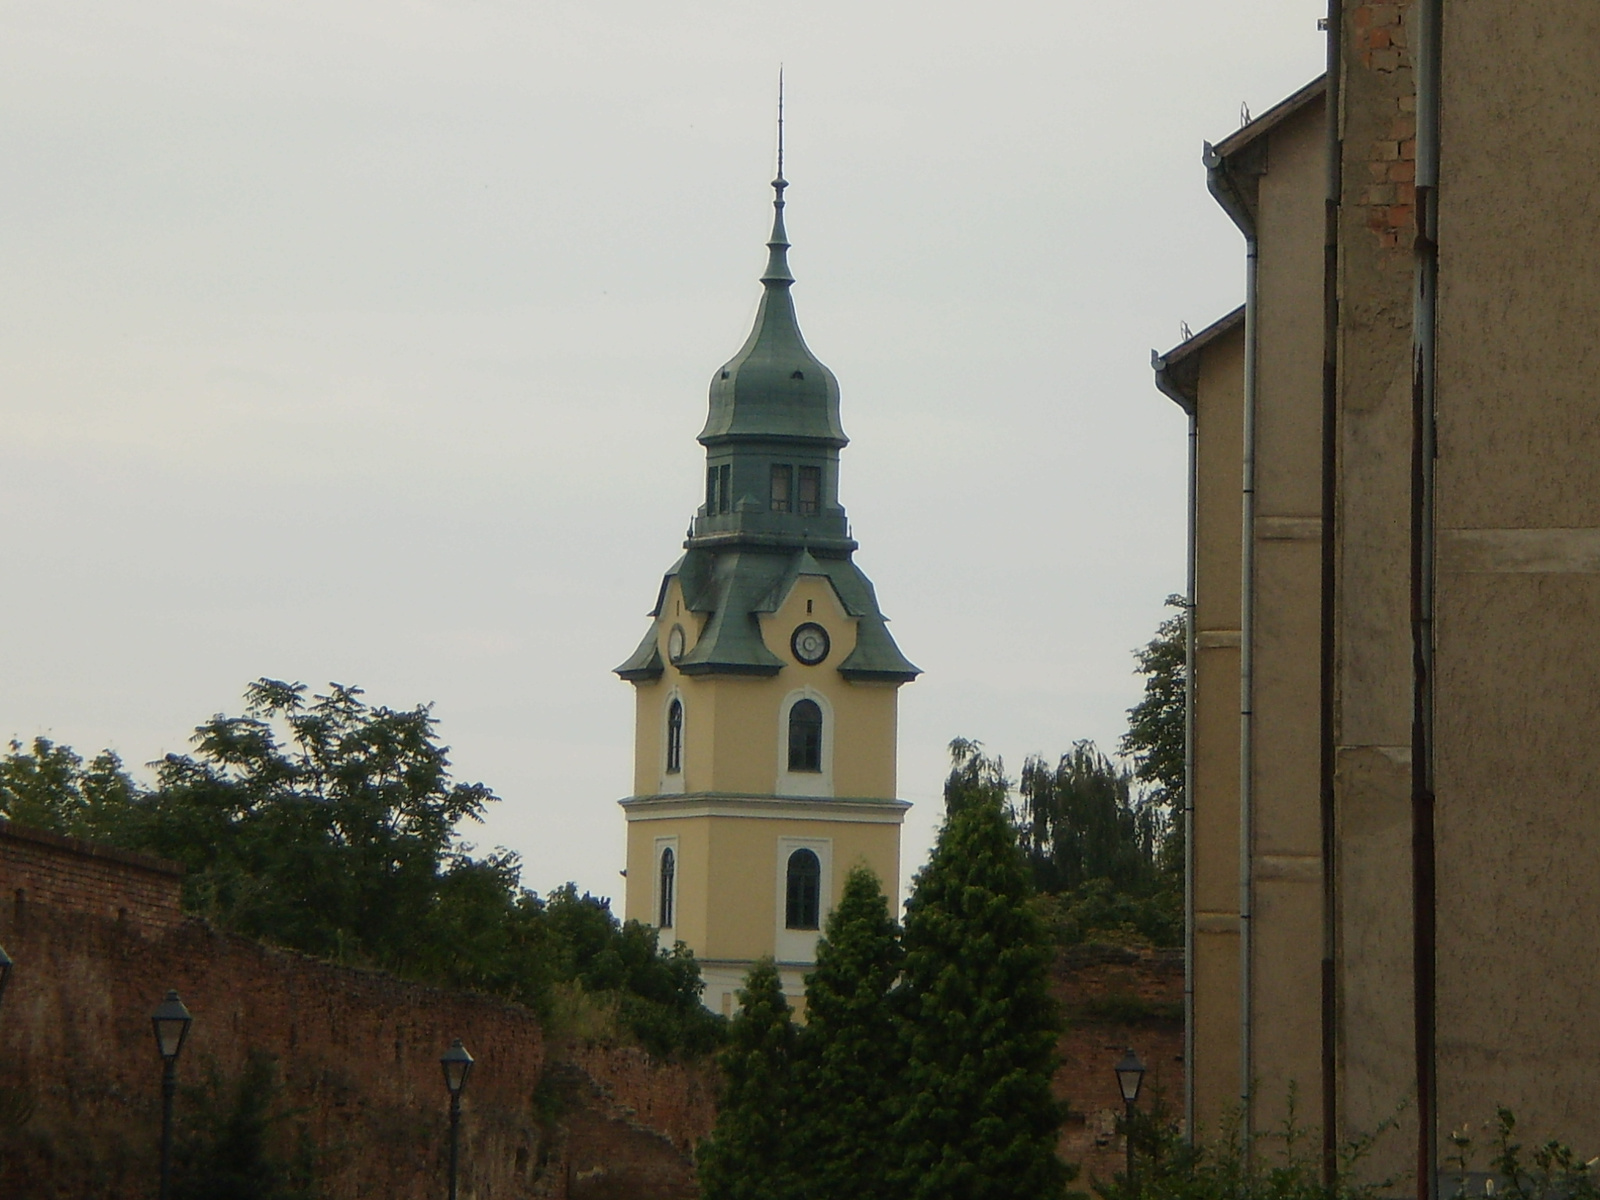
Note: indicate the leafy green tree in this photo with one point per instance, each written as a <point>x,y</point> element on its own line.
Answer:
<point>974,777</point>
<point>979,1122</point>
<point>1155,737</point>
<point>1079,821</point>
<point>751,1154</point>
<point>332,826</point>
<point>850,1064</point>
<point>48,787</point>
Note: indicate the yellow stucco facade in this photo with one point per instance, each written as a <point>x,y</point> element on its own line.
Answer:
<point>733,813</point>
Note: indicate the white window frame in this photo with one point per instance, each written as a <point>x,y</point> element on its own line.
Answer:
<point>804,783</point>
<point>671,783</point>
<point>800,945</point>
<point>664,844</point>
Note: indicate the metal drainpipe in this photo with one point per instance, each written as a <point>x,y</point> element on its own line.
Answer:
<point>1424,451</point>
<point>1330,561</point>
<point>1225,189</point>
<point>1190,407</point>
<point>1188,781</point>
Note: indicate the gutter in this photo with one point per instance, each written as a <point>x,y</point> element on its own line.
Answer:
<point>1427,64</point>
<point>1170,388</point>
<point>1327,715</point>
<point>1224,182</point>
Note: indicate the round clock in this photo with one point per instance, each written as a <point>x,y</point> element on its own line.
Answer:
<point>810,643</point>
<point>675,643</point>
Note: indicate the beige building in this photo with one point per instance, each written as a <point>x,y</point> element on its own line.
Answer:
<point>1396,605</point>
<point>766,686</point>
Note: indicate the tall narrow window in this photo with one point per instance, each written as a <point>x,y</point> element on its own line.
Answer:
<point>669,879</point>
<point>804,892</point>
<point>782,482</point>
<point>674,737</point>
<point>810,490</point>
<point>805,736</point>
<point>719,482</point>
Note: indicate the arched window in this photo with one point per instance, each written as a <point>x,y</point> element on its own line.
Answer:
<point>669,877</point>
<point>674,737</point>
<point>805,889</point>
<point>805,736</point>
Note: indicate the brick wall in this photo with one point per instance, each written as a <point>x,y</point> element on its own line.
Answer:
<point>1115,998</point>
<point>72,875</point>
<point>98,938</point>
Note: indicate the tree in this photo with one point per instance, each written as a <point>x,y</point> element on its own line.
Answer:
<point>750,1155</point>
<point>332,826</point>
<point>850,1063</point>
<point>980,1122</point>
<point>49,788</point>
<point>1079,821</point>
<point>238,1144</point>
<point>1156,735</point>
<point>974,777</point>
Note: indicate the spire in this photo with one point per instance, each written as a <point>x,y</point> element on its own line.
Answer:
<point>777,272</point>
<point>774,387</point>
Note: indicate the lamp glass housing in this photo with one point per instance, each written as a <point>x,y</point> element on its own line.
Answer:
<point>457,1064</point>
<point>5,970</point>
<point>1130,1076</point>
<point>171,1023</point>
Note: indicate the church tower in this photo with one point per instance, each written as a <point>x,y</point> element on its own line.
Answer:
<point>766,687</point>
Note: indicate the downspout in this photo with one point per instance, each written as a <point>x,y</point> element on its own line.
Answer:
<point>1188,779</point>
<point>1225,187</point>
<point>1424,451</point>
<point>1327,764</point>
<point>1189,405</point>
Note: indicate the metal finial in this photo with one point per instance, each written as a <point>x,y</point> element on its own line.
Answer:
<point>780,183</point>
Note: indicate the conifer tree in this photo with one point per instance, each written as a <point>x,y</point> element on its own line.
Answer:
<point>979,1121</point>
<point>750,1154</point>
<point>850,1067</point>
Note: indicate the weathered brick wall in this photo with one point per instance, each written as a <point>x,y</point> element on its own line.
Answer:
<point>677,1100</point>
<point>357,1053</point>
<point>1115,998</point>
<point>77,876</point>
<point>98,938</point>
<point>1380,41</point>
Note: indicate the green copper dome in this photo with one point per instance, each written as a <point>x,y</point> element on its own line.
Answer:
<point>775,388</point>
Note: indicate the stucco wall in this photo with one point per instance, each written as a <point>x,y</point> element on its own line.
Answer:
<point>1214,1056</point>
<point>1518,593</point>
<point>1287,854</point>
<point>1372,684</point>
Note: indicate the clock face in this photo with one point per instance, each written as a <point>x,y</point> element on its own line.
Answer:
<point>810,643</point>
<point>675,643</point>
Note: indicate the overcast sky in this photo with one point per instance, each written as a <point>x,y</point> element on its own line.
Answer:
<point>367,341</point>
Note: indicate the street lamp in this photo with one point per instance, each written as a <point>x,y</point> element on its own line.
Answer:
<point>457,1064</point>
<point>1130,1077</point>
<point>171,1024</point>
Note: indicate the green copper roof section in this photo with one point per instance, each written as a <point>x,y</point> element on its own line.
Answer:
<point>775,388</point>
<point>734,589</point>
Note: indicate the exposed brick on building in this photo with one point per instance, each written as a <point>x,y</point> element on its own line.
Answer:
<point>1115,998</point>
<point>72,875</point>
<point>1380,44</point>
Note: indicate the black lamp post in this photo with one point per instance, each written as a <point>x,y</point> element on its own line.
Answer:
<point>457,1064</point>
<point>171,1023</point>
<point>1130,1077</point>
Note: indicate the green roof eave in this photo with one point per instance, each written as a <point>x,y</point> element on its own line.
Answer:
<point>645,663</point>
